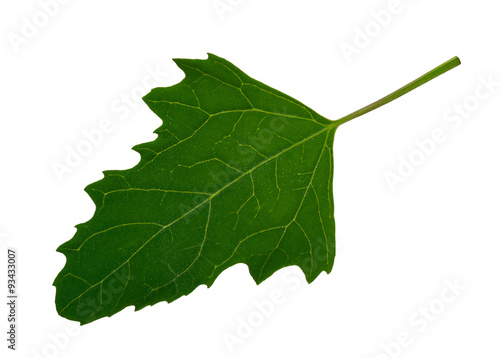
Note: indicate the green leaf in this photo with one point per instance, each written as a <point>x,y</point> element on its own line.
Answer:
<point>239,173</point>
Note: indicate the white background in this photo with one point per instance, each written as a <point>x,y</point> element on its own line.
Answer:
<point>397,246</point>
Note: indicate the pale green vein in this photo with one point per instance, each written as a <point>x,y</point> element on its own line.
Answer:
<point>298,210</point>
<point>312,136</point>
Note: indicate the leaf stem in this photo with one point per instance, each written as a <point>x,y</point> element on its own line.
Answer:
<point>448,65</point>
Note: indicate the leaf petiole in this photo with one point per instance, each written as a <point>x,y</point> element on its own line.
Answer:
<point>445,67</point>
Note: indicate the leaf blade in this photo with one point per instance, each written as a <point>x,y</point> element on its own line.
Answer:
<point>236,175</point>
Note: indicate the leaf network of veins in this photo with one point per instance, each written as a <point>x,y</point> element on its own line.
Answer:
<point>324,129</point>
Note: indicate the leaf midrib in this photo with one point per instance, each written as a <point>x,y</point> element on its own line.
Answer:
<point>327,128</point>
